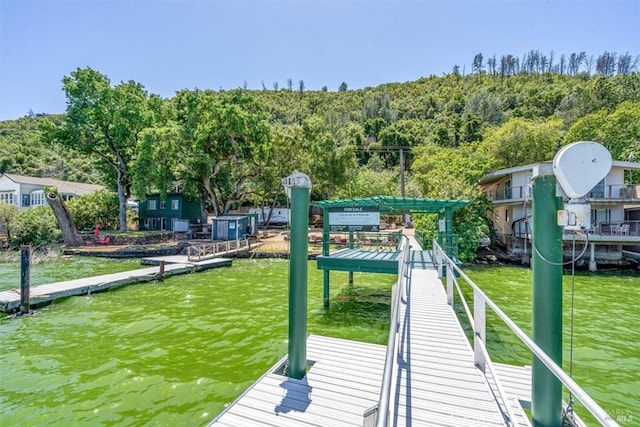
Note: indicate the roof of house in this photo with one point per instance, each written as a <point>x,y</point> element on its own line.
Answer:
<point>499,174</point>
<point>65,187</point>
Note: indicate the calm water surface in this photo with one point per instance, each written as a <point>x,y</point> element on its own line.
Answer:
<point>66,268</point>
<point>606,339</point>
<point>174,353</point>
<point>170,353</point>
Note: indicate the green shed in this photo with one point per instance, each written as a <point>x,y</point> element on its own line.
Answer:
<point>230,227</point>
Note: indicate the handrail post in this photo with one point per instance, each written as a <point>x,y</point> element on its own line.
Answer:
<point>450,287</point>
<point>479,327</point>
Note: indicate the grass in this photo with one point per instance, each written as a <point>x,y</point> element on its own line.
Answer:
<point>40,255</point>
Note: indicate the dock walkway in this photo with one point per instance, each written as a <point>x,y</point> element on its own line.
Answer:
<point>436,381</point>
<point>42,294</point>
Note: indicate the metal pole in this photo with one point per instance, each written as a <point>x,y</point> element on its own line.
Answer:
<point>25,278</point>
<point>546,389</point>
<point>325,252</point>
<point>298,282</point>
<point>351,247</point>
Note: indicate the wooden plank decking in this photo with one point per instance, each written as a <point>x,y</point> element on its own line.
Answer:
<point>344,380</point>
<point>436,381</point>
<point>42,294</point>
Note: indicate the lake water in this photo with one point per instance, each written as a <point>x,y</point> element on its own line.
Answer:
<point>175,352</point>
<point>169,353</point>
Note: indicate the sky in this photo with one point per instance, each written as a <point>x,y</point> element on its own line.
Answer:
<point>169,45</point>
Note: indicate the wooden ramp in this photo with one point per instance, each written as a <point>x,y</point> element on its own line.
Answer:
<point>10,300</point>
<point>437,383</point>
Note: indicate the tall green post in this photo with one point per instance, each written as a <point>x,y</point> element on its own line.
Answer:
<point>325,252</point>
<point>546,389</point>
<point>299,186</point>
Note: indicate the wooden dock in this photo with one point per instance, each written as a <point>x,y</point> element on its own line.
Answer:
<point>435,381</point>
<point>344,380</point>
<point>39,295</point>
<point>204,264</point>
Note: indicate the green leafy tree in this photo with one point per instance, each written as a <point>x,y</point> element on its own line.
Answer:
<point>486,105</point>
<point>520,142</point>
<point>98,208</point>
<point>105,122</point>
<point>619,131</point>
<point>35,226</point>
<point>331,155</point>
<point>7,213</point>
<point>213,146</point>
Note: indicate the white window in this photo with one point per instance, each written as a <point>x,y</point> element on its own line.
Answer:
<point>175,204</point>
<point>6,197</point>
<point>152,205</point>
<point>37,198</point>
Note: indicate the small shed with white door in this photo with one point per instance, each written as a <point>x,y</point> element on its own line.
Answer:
<point>230,227</point>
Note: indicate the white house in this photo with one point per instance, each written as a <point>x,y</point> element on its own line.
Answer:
<point>26,191</point>
<point>612,200</point>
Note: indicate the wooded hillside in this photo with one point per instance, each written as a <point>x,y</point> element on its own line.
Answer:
<point>229,148</point>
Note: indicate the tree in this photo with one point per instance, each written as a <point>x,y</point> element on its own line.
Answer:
<point>7,213</point>
<point>98,208</point>
<point>619,131</point>
<point>105,122</point>
<point>70,234</point>
<point>212,146</point>
<point>477,63</point>
<point>342,87</point>
<point>519,142</point>
<point>486,105</point>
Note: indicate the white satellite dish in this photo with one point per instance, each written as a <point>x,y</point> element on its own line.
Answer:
<point>296,179</point>
<point>581,165</point>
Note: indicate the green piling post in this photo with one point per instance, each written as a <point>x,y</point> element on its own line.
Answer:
<point>325,252</point>
<point>298,262</point>
<point>546,389</point>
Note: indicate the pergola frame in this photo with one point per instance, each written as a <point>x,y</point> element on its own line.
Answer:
<point>386,262</point>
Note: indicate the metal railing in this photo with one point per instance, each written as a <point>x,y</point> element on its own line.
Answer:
<point>629,228</point>
<point>604,192</point>
<point>213,249</point>
<point>477,321</point>
<point>378,415</point>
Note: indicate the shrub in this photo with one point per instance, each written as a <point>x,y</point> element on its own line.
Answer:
<point>98,208</point>
<point>36,226</point>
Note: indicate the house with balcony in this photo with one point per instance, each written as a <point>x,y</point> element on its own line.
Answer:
<point>615,225</point>
<point>27,191</point>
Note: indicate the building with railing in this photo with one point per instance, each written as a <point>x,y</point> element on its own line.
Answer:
<point>613,200</point>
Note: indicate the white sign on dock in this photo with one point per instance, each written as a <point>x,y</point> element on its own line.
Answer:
<point>364,218</point>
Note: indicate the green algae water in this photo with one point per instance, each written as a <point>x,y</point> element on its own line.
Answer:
<point>169,353</point>
<point>606,337</point>
<point>176,352</point>
<point>67,268</point>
